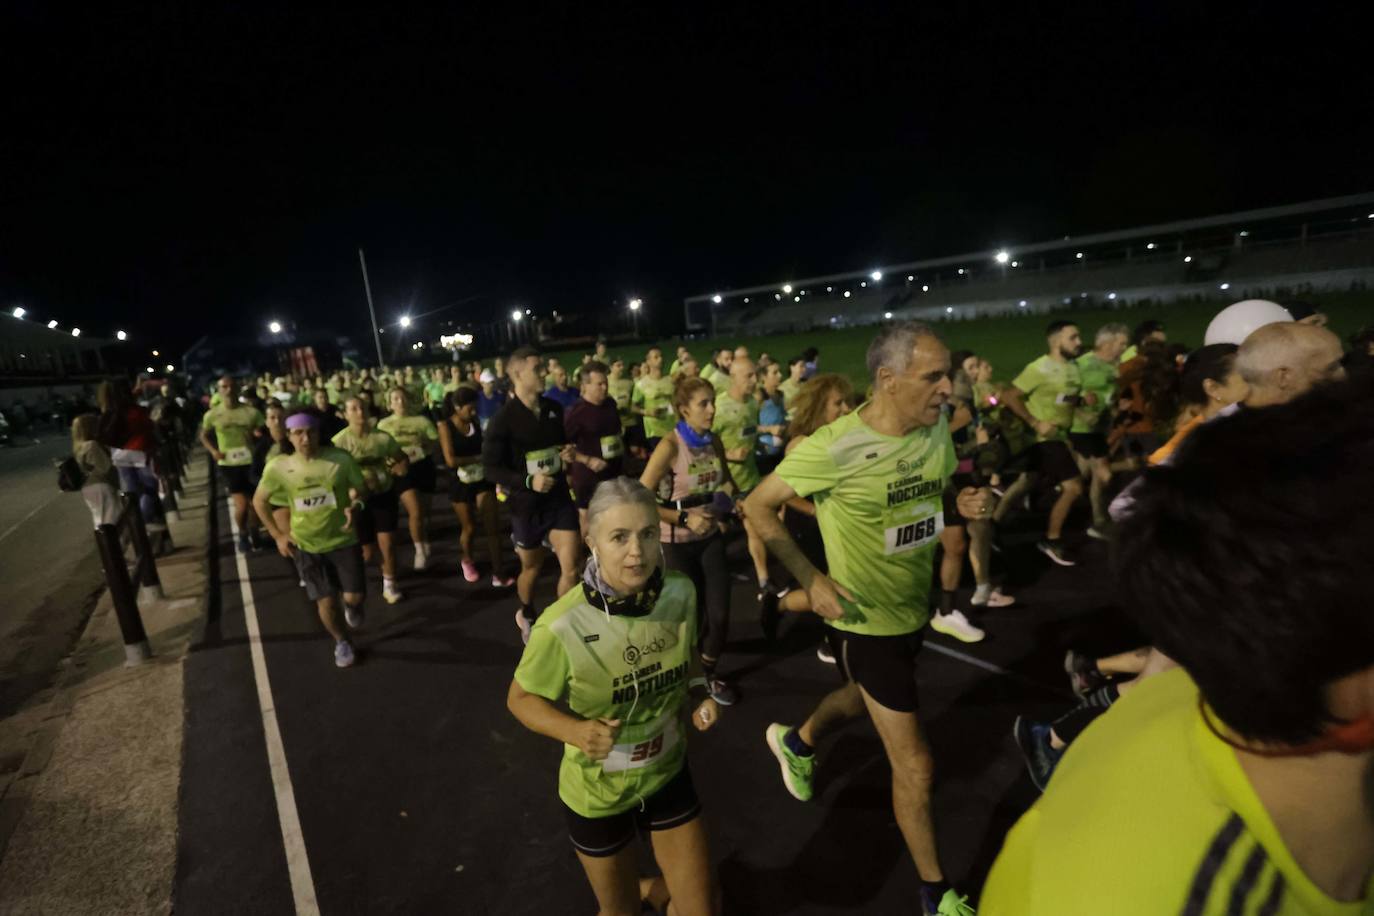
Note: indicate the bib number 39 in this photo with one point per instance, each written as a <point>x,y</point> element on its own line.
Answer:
<point>912,535</point>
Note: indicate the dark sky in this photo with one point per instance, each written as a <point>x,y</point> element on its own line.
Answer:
<point>202,171</point>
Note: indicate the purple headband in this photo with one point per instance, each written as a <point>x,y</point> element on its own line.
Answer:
<point>300,421</point>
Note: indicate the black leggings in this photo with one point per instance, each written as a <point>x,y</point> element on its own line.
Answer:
<point>704,563</point>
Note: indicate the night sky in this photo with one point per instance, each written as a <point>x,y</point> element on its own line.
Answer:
<point>203,171</point>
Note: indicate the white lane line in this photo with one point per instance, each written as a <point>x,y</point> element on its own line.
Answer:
<point>15,527</point>
<point>297,862</point>
<point>989,666</point>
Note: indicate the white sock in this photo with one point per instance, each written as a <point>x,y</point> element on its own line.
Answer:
<point>388,582</point>
<point>981,593</point>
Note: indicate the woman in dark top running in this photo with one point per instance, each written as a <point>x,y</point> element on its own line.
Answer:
<point>460,438</point>
<point>593,427</point>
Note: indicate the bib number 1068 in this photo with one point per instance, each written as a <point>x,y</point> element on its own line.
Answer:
<point>913,534</point>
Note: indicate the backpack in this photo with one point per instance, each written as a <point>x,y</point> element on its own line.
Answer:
<point>69,476</point>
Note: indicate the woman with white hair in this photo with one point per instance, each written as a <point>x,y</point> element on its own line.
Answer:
<point>618,657</point>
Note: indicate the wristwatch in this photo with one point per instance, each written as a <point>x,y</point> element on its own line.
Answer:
<point>682,518</point>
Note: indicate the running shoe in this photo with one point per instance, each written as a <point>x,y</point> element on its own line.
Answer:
<point>353,616</point>
<point>470,571</point>
<point>244,545</point>
<point>956,624</point>
<point>1084,677</point>
<point>952,904</point>
<point>523,625</point>
<point>1033,739</point>
<point>824,654</point>
<point>421,558</point>
<point>797,771</point>
<point>343,654</point>
<point>391,594</point>
<point>1099,532</point>
<point>721,692</point>
<point>769,618</point>
<point>995,599</point>
<point>499,581</point>
<point>1055,551</point>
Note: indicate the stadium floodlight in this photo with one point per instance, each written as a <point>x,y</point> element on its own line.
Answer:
<point>1111,295</point>
<point>716,298</point>
<point>787,288</point>
<point>1244,233</point>
<point>1224,286</point>
<point>1187,259</point>
<point>120,335</point>
<point>636,304</point>
<point>863,283</point>
<point>909,278</point>
<point>1015,263</point>
<point>796,298</point>
<point>925,288</point>
<point>1150,246</point>
<point>961,271</point>
<point>274,327</point>
<point>516,315</point>
<point>1002,257</point>
<point>405,321</point>
<point>1021,304</point>
<point>1079,256</point>
<point>846,294</point>
<point>1371,216</point>
<point>155,353</point>
<point>887,315</point>
<point>171,368</point>
<point>777,297</point>
<point>151,370</point>
<point>746,300</point>
<point>830,289</point>
<point>76,332</point>
<point>876,275</point>
<point>949,310</point>
<point>19,311</point>
<point>52,324</point>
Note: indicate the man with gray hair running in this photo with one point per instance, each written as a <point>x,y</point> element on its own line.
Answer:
<point>879,473</point>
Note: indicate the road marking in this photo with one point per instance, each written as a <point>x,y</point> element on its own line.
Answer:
<point>15,527</point>
<point>989,666</point>
<point>297,862</point>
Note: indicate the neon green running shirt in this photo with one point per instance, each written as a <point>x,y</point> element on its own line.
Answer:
<point>233,428</point>
<point>1051,389</point>
<point>1098,376</point>
<point>416,435</point>
<point>655,397</point>
<point>878,504</point>
<point>316,490</point>
<point>737,425</point>
<point>374,451</point>
<point>622,667</point>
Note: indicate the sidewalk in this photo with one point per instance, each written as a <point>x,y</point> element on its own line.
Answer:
<point>88,821</point>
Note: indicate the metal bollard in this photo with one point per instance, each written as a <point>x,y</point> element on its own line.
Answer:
<point>149,585</point>
<point>136,649</point>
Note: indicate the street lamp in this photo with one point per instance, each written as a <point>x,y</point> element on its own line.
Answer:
<point>876,275</point>
<point>405,321</point>
<point>52,324</point>
<point>76,332</point>
<point>170,368</point>
<point>716,299</point>
<point>1002,257</point>
<point>516,315</point>
<point>635,306</point>
<point>274,327</point>
<point>120,335</point>
<point>19,311</point>
<point>787,287</point>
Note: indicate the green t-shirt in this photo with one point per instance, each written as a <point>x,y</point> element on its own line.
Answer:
<point>789,389</point>
<point>711,373</point>
<point>1051,389</point>
<point>233,428</point>
<point>621,390</point>
<point>316,490</point>
<point>617,667</point>
<point>415,434</point>
<point>374,451</point>
<point>1098,376</point>
<point>737,425</point>
<point>878,504</point>
<point>434,394</point>
<point>655,397</point>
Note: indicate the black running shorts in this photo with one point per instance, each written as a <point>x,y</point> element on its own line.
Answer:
<point>1089,445</point>
<point>1054,460</point>
<point>530,527</point>
<point>238,479</point>
<point>673,805</point>
<point>884,666</point>
<point>327,574</point>
<point>380,514</point>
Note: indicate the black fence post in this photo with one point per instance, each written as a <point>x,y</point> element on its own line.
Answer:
<point>136,650</point>
<point>145,568</point>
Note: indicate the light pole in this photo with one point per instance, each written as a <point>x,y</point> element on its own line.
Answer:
<point>372,312</point>
<point>635,306</point>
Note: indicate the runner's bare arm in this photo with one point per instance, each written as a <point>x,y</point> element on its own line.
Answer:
<point>1015,399</point>
<point>594,737</point>
<point>446,446</point>
<point>655,470</point>
<point>207,440</point>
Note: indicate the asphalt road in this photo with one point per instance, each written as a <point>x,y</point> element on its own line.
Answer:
<point>418,792</point>
<point>49,571</point>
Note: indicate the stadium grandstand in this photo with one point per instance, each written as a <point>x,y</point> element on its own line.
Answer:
<point>1277,252</point>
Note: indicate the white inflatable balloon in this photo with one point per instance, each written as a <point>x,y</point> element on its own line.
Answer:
<point>1236,322</point>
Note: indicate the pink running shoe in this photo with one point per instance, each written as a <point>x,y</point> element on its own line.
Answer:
<point>502,581</point>
<point>470,571</point>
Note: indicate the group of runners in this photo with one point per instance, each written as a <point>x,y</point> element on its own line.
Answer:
<point>637,480</point>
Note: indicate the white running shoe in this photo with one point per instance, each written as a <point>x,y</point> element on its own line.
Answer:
<point>421,557</point>
<point>524,626</point>
<point>824,654</point>
<point>353,616</point>
<point>390,593</point>
<point>956,624</point>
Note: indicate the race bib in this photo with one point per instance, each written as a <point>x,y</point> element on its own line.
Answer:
<point>1066,398</point>
<point>612,447</point>
<point>237,456</point>
<point>471,473</point>
<point>638,754</point>
<point>545,461</point>
<point>414,452</point>
<point>914,534</point>
<point>704,473</point>
<point>315,498</point>
<point>749,432</point>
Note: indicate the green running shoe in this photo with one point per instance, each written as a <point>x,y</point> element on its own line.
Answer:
<point>797,771</point>
<point>954,904</point>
